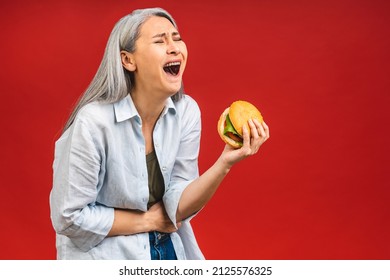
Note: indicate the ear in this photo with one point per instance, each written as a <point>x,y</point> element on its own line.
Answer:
<point>128,61</point>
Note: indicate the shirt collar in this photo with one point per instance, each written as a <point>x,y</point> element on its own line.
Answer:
<point>125,109</point>
<point>169,107</point>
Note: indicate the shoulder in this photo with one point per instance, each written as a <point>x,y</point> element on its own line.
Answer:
<point>96,114</point>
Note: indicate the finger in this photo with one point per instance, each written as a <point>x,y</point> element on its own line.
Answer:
<point>169,229</point>
<point>256,122</point>
<point>266,128</point>
<point>262,132</point>
<point>256,140</point>
<point>245,136</point>
<point>254,132</point>
<point>260,128</point>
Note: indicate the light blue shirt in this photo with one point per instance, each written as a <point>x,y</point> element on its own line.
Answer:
<point>100,164</point>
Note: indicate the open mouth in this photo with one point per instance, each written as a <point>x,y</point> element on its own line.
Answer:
<point>172,68</point>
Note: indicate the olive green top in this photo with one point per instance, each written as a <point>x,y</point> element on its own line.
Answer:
<point>156,180</point>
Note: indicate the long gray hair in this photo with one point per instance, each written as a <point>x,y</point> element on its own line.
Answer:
<point>112,82</point>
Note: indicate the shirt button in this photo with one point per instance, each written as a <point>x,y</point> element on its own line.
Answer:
<point>164,169</point>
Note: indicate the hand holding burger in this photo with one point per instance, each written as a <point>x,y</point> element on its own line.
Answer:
<point>234,118</point>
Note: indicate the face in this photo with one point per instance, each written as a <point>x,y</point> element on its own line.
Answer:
<point>159,59</point>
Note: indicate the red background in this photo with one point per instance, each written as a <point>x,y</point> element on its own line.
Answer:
<point>318,71</point>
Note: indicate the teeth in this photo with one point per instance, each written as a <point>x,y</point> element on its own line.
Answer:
<point>172,68</point>
<point>172,64</point>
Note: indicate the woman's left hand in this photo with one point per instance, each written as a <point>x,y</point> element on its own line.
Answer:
<point>200,191</point>
<point>252,141</point>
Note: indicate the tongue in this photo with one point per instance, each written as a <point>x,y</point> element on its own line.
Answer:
<point>173,70</point>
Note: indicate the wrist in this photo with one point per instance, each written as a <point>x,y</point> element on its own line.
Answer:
<point>223,165</point>
<point>149,221</point>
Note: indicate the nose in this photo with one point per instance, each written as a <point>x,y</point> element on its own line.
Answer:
<point>173,48</point>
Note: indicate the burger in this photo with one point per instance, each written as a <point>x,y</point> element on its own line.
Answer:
<point>233,119</point>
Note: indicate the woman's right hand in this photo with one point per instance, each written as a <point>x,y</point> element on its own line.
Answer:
<point>128,222</point>
<point>159,220</point>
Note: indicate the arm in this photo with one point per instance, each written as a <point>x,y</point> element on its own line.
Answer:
<point>200,191</point>
<point>74,211</point>
<point>128,222</point>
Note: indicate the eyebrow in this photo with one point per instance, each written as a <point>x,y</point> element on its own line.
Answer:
<point>175,33</point>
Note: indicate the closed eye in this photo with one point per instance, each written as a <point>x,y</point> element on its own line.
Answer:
<point>175,37</point>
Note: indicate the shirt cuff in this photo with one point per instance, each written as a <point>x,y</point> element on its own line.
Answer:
<point>91,227</point>
<point>171,200</point>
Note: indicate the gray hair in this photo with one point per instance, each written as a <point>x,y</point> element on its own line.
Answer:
<point>112,82</point>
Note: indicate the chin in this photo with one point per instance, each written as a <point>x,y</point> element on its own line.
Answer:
<point>173,89</point>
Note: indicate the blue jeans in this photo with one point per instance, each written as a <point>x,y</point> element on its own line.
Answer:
<point>161,246</point>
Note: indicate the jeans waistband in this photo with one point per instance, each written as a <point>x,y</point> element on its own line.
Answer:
<point>156,237</point>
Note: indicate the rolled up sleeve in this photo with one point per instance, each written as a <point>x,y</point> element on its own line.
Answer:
<point>185,169</point>
<point>74,211</point>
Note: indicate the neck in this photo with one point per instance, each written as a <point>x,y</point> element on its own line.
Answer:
<point>148,106</point>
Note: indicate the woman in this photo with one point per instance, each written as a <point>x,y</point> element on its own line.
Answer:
<point>126,178</point>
